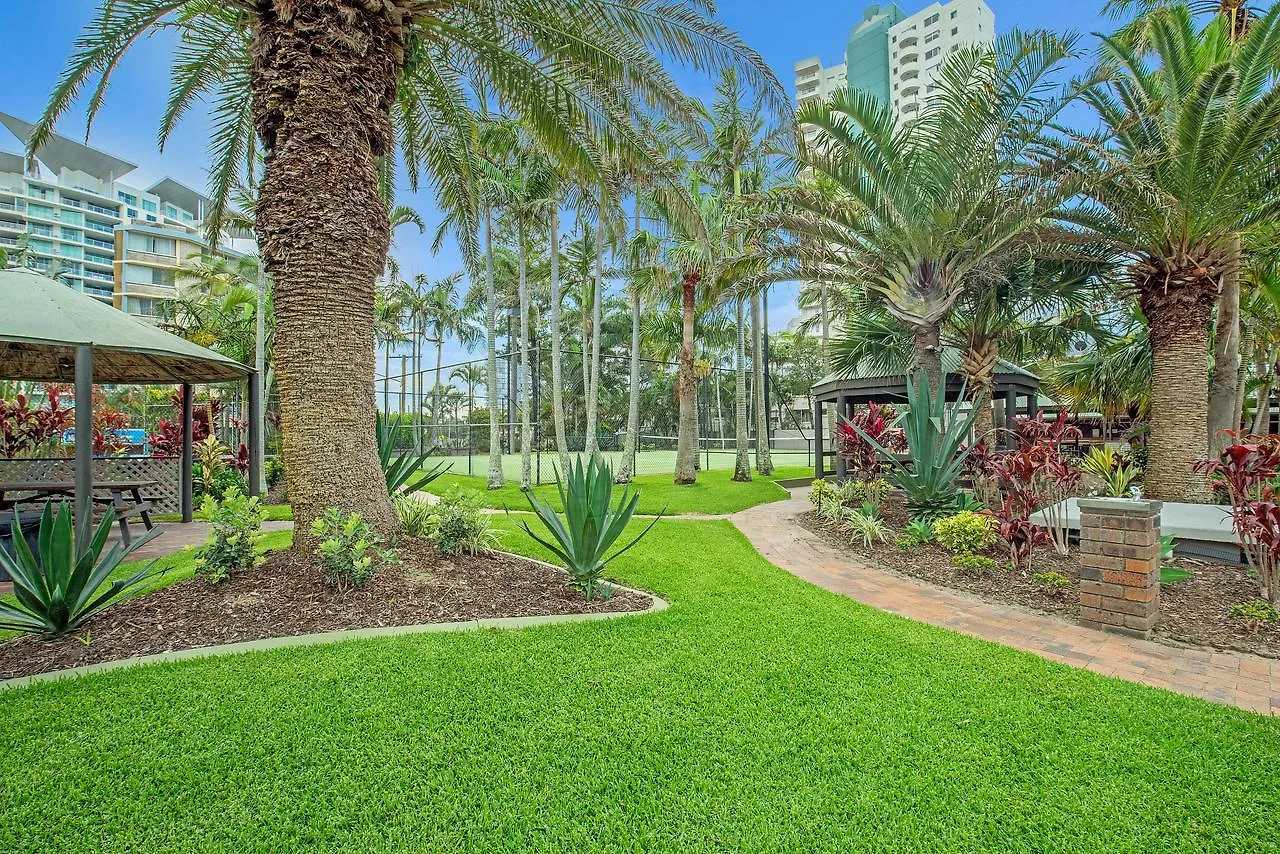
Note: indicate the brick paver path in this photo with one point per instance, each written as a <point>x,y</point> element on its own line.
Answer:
<point>1248,681</point>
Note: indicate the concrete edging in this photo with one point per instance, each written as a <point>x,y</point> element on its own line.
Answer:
<point>657,604</point>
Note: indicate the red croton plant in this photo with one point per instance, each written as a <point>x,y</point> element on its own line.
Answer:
<point>1030,478</point>
<point>1246,471</point>
<point>26,430</point>
<point>876,421</point>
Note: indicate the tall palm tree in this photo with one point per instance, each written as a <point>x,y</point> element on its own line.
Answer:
<point>216,305</point>
<point>446,315</point>
<point>1194,134</point>
<point>388,329</point>
<point>915,210</point>
<point>394,74</point>
<point>472,376</point>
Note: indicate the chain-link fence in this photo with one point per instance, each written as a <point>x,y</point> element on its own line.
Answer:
<point>452,417</point>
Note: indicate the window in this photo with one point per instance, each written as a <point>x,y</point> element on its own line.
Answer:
<point>170,211</point>
<point>154,245</point>
<point>126,198</point>
<point>932,37</point>
<point>133,212</point>
<point>40,211</point>
<point>931,20</point>
<point>930,54</point>
<point>151,218</point>
<point>148,205</point>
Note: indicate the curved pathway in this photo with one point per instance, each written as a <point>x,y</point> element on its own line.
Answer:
<point>1248,681</point>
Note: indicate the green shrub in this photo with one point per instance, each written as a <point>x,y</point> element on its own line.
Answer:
<point>65,585</point>
<point>1054,580</point>
<point>273,468</point>
<point>977,563</point>
<point>822,492</point>
<point>866,525</point>
<point>965,533</point>
<point>415,515</point>
<point>222,481</point>
<point>457,524</point>
<point>349,549</point>
<point>236,528</point>
<point>1258,610</point>
<point>918,532</point>
<point>591,524</point>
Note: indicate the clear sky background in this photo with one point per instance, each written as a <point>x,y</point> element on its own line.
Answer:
<point>42,33</point>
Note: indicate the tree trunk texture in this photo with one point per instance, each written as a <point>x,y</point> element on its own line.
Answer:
<point>742,457</point>
<point>627,468</point>
<point>593,396</point>
<point>494,479</point>
<point>436,415</point>
<point>687,386</point>
<point>526,424</point>
<point>928,355</point>
<point>1264,364</point>
<point>323,118</point>
<point>557,342</point>
<point>1178,319</point>
<point>978,366</point>
<point>1224,381</point>
<point>1247,344</point>
<point>764,459</point>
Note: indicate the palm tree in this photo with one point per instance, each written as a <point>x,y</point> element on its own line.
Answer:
<point>398,73</point>
<point>916,210</point>
<point>445,315</point>
<point>388,328</point>
<point>472,376</point>
<point>216,304</point>
<point>1194,139</point>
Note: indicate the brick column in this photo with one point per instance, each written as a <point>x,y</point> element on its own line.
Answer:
<point>1120,565</point>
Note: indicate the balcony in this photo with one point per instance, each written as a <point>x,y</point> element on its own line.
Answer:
<point>152,258</point>
<point>910,57</point>
<point>9,206</point>
<point>97,226</point>
<point>101,244</point>
<point>909,41</point>
<point>910,74</point>
<point>11,225</point>
<point>115,212</point>
<point>71,203</point>
<point>909,91</point>
<point>102,260</point>
<point>101,277</point>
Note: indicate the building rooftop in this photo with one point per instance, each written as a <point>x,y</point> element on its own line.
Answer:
<point>181,195</point>
<point>62,153</point>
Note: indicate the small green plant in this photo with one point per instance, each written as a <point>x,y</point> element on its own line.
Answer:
<point>831,514</point>
<point>1258,610</point>
<point>975,563</point>
<point>966,502</point>
<point>273,468</point>
<point>65,586</point>
<point>415,514</point>
<point>349,549</point>
<point>821,492</point>
<point>235,529</point>
<point>458,524</point>
<point>1053,580</point>
<point>918,532</point>
<point>1170,574</point>
<point>965,533</point>
<point>866,525</point>
<point>210,457</point>
<point>591,524</point>
<point>1116,474</point>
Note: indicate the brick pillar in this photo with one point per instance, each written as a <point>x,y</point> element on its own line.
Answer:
<point>1120,565</point>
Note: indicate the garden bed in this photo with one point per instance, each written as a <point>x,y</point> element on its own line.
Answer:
<point>1194,610</point>
<point>287,596</point>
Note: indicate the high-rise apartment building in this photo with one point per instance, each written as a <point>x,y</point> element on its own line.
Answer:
<point>110,240</point>
<point>918,46</point>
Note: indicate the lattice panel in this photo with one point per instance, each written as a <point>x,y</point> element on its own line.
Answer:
<point>165,471</point>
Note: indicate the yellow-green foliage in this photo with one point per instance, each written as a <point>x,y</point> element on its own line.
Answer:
<point>965,533</point>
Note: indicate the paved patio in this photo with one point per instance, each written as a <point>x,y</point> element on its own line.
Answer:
<point>1247,681</point>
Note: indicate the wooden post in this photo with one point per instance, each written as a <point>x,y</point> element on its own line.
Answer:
<point>819,464</point>
<point>84,446</point>
<point>187,442</point>
<point>255,434</point>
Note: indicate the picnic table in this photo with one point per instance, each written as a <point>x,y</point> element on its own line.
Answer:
<point>124,495</point>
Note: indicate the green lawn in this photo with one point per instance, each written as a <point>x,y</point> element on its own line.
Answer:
<point>757,713</point>
<point>715,492</point>
<point>271,513</point>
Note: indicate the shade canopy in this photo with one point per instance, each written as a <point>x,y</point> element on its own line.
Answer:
<point>43,321</point>
<point>888,386</point>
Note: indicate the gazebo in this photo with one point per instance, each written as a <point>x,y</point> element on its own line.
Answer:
<point>50,333</point>
<point>844,391</point>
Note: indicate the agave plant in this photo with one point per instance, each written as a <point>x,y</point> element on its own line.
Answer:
<point>936,435</point>
<point>63,587</point>
<point>403,471</point>
<point>591,525</point>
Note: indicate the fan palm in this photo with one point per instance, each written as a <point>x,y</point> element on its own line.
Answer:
<point>397,74</point>
<point>915,211</point>
<point>1194,139</point>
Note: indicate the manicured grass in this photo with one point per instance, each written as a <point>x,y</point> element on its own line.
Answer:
<point>270,513</point>
<point>757,713</point>
<point>715,492</point>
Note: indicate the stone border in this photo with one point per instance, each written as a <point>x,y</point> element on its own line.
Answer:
<point>263,644</point>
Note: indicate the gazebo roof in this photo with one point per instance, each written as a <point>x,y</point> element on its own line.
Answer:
<point>885,384</point>
<point>43,321</point>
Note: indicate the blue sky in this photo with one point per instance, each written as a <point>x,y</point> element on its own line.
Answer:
<point>42,32</point>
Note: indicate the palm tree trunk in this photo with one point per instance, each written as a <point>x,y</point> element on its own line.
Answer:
<point>557,342</point>
<point>494,480</point>
<point>593,395</point>
<point>436,417</point>
<point>584,321</point>
<point>978,366</point>
<point>1264,363</point>
<point>324,234</point>
<point>526,426</point>
<point>742,455</point>
<point>1179,331</point>
<point>1226,354</point>
<point>386,378</point>
<point>627,467</point>
<point>687,386</point>
<point>928,354</point>
<point>1247,345</point>
<point>764,459</point>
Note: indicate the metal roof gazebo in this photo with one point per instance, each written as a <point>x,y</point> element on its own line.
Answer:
<point>50,333</point>
<point>845,390</point>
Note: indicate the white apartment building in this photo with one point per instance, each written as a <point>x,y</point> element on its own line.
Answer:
<point>110,240</point>
<point>919,44</point>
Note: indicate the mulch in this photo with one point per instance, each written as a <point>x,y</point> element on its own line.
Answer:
<point>1195,610</point>
<point>288,596</point>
